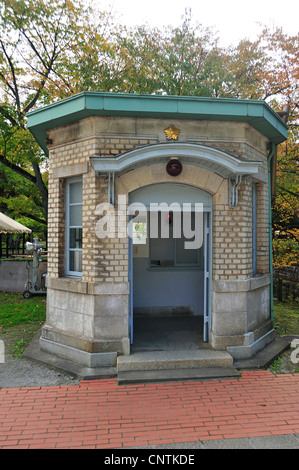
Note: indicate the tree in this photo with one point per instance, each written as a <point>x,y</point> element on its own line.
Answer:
<point>88,61</point>
<point>19,195</point>
<point>281,87</point>
<point>34,33</point>
<point>185,60</point>
<point>286,207</point>
<point>268,69</point>
<point>51,49</point>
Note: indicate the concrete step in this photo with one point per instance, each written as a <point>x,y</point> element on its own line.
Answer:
<point>152,376</point>
<point>265,357</point>
<point>174,360</point>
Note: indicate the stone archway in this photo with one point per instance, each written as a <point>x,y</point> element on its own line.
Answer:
<point>194,175</point>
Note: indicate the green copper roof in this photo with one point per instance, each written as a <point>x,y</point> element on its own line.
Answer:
<point>257,113</point>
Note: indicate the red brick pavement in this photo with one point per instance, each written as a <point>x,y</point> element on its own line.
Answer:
<point>101,414</point>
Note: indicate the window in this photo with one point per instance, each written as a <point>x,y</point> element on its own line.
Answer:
<point>74,227</point>
<point>139,233</point>
<point>168,245</point>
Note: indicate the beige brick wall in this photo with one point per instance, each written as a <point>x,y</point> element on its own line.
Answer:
<point>263,228</point>
<point>107,259</point>
<point>56,228</point>
<point>232,237</point>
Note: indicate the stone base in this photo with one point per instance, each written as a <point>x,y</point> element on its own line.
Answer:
<point>66,366</point>
<point>247,345</point>
<point>82,351</point>
<point>241,321</point>
<point>260,360</point>
<point>250,350</point>
<point>87,323</point>
<point>78,356</point>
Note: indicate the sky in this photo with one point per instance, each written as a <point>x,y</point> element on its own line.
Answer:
<point>232,19</point>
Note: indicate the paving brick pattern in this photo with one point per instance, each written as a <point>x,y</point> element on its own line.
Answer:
<point>101,414</point>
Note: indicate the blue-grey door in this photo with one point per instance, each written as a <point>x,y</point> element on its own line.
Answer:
<point>207,275</point>
<point>130,242</point>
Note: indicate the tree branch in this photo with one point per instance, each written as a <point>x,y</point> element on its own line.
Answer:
<point>18,169</point>
<point>15,91</point>
<point>8,116</point>
<point>288,191</point>
<point>41,187</point>
<point>33,217</point>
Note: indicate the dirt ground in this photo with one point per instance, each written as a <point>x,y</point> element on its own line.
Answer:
<point>21,372</point>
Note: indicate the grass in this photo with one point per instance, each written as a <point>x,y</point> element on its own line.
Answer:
<point>284,365</point>
<point>286,322</point>
<point>286,318</point>
<point>20,320</point>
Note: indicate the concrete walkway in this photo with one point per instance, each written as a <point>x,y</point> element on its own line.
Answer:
<point>257,410</point>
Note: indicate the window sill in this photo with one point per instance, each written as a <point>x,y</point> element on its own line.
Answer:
<point>71,284</point>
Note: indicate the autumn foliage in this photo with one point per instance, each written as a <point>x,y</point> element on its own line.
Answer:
<point>51,49</point>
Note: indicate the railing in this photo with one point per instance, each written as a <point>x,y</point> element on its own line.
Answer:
<point>286,283</point>
<point>12,245</point>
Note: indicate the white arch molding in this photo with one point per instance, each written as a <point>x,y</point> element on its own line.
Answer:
<point>207,157</point>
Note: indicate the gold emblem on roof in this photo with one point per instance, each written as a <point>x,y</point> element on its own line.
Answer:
<point>172,133</point>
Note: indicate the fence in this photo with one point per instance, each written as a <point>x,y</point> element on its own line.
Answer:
<point>13,244</point>
<point>286,283</point>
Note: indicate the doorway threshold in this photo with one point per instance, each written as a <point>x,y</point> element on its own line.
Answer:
<point>169,348</point>
<point>157,366</point>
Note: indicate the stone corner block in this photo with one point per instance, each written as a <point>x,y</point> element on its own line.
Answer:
<point>67,284</point>
<point>102,359</point>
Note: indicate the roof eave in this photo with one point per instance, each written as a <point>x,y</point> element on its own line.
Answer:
<point>85,104</point>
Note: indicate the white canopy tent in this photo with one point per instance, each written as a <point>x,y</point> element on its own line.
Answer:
<point>8,225</point>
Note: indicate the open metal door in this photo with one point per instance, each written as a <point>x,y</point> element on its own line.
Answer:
<point>207,275</point>
<point>130,278</point>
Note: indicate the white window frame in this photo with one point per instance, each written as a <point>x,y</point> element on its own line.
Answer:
<point>68,183</point>
<point>176,265</point>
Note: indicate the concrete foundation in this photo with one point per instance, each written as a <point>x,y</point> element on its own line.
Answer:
<point>241,320</point>
<point>86,322</point>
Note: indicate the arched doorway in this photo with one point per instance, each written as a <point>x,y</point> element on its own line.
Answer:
<point>169,267</point>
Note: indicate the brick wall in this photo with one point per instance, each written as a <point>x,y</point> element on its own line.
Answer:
<point>232,235</point>
<point>107,259</point>
<point>262,228</point>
